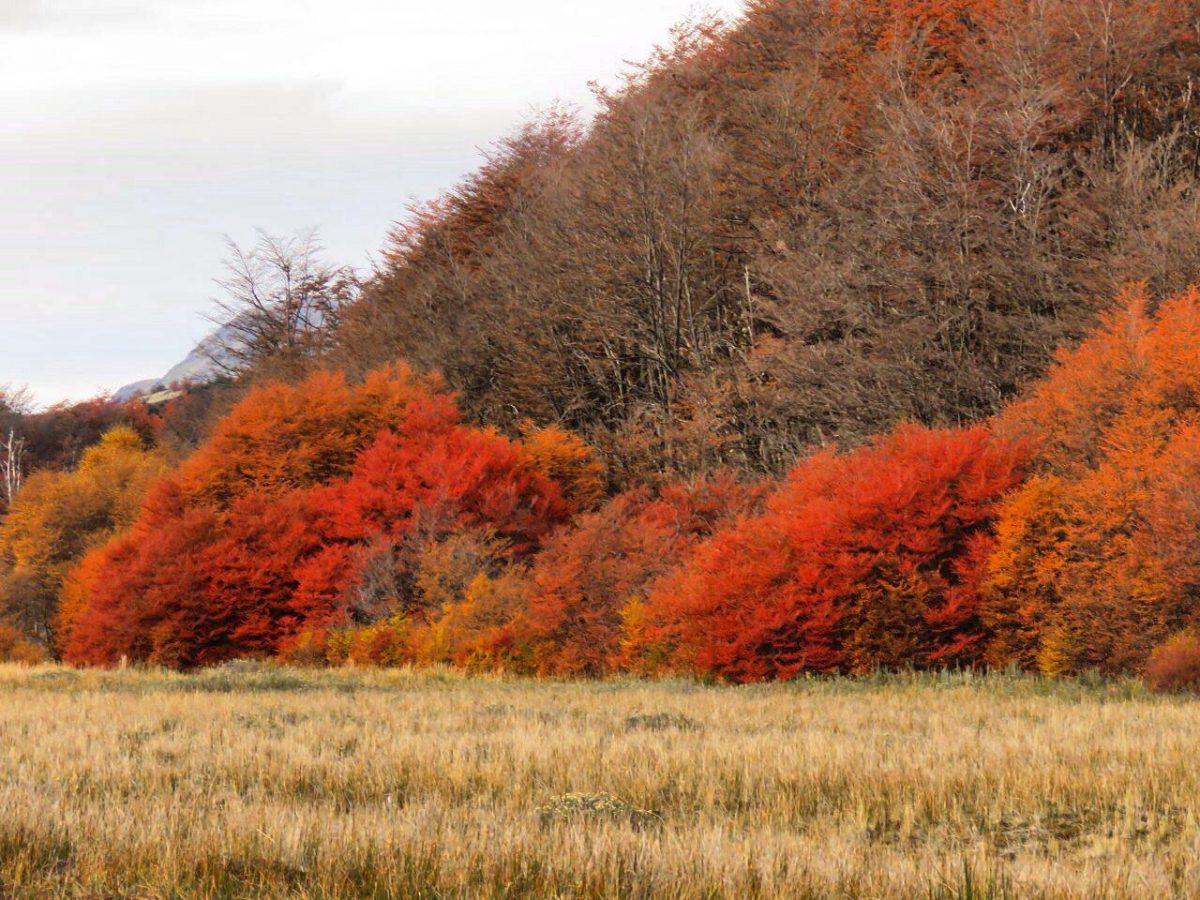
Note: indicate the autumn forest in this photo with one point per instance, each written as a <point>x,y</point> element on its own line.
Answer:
<point>849,336</point>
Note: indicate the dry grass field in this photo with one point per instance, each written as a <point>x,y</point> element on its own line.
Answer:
<point>248,781</point>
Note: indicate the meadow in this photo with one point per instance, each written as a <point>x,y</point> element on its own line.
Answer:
<point>253,780</point>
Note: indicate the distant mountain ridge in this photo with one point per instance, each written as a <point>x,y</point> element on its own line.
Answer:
<point>206,361</point>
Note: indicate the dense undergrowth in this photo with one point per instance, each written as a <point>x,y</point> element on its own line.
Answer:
<point>753,377</point>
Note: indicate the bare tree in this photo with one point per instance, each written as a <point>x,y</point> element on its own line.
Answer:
<point>280,302</point>
<point>14,406</point>
<point>801,234</point>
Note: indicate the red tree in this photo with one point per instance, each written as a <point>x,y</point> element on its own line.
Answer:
<point>407,494</point>
<point>866,560</point>
<point>591,583</point>
<point>254,541</point>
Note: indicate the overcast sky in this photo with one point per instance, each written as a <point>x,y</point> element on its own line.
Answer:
<point>134,134</point>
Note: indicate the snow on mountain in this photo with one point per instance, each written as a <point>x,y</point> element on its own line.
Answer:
<point>208,359</point>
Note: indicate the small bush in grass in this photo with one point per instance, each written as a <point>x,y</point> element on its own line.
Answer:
<point>595,807</point>
<point>15,648</point>
<point>242,675</point>
<point>309,649</point>
<point>240,667</point>
<point>662,721</point>
<point>1175,665</point>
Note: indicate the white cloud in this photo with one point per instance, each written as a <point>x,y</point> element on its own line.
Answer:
<point>72,15</point>
<point>137,132</point>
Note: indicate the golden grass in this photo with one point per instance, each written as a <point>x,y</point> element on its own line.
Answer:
<point>251,781</point>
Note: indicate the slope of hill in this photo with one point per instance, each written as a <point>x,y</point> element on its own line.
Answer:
<point>807,226</point>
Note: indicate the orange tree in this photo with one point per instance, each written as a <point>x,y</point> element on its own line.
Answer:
<point>1097,558</point>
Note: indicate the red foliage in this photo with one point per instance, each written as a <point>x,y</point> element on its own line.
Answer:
<point>591,583</point>
<point>145,587</point>
<point>409,493</point>
<point>866,560</point>
<point>267,555</point>
<point>447,480</point>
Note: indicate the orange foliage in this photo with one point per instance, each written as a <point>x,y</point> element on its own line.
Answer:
<point>370,526</point>
<point>283,437</point>
<point>60,515</point>
<point>1025,572</point>
<point>438,542</point>
<point>75,595</point>
<point>481,630</point>
<point>309,648</point>
<point>568,460</point>
<point>941,29</point>
<point>1097,561</point>
<point>664,281</point>
<point>1175,665</point>
<point>14,648</point>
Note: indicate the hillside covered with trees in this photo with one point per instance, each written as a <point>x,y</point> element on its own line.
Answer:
<point>852,335</point>
<point>806,227</point>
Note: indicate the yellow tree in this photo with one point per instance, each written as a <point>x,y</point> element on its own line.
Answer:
<point>567,460</point>
<point>58,516</point>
